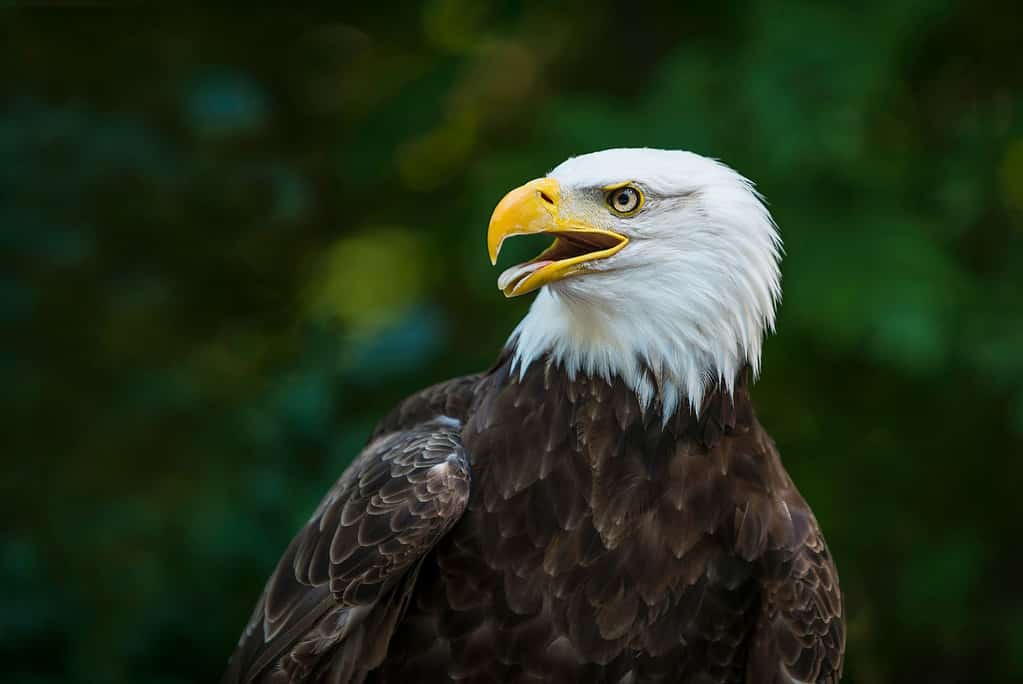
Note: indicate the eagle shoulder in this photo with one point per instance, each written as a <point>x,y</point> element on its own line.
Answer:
<point>340,588</point>
<point>799,636</point>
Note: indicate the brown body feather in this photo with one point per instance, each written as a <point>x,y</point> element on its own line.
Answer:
<point>556,532</point>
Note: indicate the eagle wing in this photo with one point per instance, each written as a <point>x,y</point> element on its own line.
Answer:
<point>336,595</point>
<point>800,635</point>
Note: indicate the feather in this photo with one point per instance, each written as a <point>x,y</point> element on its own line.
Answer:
<point>553,530</point>
<point>338,592</point>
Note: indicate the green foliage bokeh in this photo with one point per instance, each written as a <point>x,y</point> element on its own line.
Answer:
<point>231,243</point>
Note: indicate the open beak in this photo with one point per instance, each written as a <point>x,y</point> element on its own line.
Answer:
<point>536,208</point>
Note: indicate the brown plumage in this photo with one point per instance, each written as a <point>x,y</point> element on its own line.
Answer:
<point>499,529</point>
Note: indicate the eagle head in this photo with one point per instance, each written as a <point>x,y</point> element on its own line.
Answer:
<point>664,271</point>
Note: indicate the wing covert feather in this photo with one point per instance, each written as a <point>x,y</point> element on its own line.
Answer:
<point>800,636</point>
<point>344,580</point>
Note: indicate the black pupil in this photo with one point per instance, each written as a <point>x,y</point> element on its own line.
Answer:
<point>624,198</point>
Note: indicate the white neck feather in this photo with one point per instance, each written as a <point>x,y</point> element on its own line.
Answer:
<point>668,359</point>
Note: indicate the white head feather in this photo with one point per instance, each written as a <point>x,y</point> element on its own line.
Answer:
<point>689,299</point>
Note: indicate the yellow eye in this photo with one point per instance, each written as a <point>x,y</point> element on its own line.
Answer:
<point>624,200</point>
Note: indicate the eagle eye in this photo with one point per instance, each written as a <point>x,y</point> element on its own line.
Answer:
<point>625,200</point>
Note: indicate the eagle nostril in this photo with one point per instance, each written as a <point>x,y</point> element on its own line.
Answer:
<point>546,198</point>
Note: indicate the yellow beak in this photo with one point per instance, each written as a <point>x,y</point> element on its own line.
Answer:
<point>536,208</point>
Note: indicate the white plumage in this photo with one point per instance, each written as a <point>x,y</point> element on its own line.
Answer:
<point>689,298</point>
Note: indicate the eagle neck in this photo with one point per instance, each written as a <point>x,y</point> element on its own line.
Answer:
<point>663,356</point>
<point>592,401</point>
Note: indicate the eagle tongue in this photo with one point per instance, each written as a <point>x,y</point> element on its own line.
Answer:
<point>513,275</point>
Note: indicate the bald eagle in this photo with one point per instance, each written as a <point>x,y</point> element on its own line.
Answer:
<point>602,505</point>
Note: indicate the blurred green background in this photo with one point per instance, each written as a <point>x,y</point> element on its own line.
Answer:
<point>231,242</point>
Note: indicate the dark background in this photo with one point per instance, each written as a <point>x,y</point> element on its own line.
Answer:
<point>231,242</point>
